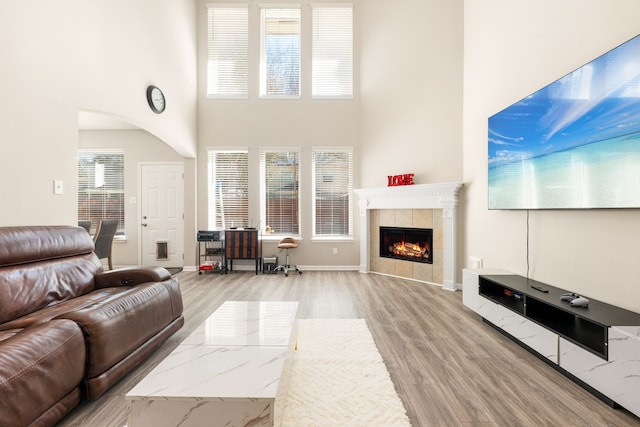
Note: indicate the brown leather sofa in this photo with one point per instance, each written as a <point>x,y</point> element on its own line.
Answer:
<point>68,330</point>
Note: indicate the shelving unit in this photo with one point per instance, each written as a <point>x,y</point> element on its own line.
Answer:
<point>503,295</point>
<point>243,244</point>
<point>586,327</point>
<point>210,252</point>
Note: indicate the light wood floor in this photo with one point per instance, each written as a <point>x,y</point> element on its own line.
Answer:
<point>449,368</point>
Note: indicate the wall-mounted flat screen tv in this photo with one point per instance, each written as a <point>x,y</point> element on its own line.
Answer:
<point>574,144</point>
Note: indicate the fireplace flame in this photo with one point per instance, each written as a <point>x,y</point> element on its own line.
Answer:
<point>410,250</point>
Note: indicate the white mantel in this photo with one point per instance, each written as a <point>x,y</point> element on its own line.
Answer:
<point>419,196</point>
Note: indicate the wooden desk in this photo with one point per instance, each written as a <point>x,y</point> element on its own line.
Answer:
<point>243,244</point>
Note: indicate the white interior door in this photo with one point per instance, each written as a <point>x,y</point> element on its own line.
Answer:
<point>162,214</point>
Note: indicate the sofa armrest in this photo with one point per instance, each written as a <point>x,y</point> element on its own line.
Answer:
<point>131,276</point>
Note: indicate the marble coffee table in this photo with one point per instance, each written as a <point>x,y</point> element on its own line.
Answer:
<point>226,373</point>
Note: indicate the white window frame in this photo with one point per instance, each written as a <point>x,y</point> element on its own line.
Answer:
<point>349,192</point>
<point>277,234</point>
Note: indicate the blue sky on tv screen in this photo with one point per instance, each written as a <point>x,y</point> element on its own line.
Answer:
<point>597,102</point>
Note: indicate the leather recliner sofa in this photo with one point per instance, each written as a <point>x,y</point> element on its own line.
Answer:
<point>68,329</point>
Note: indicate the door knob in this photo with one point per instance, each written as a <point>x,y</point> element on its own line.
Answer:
<point>144,224</point>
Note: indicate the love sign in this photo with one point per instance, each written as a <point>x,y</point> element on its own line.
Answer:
<point>396,180</point>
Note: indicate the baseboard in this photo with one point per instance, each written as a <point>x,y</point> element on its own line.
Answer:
<point>252,267</point>
<point>405,278</point>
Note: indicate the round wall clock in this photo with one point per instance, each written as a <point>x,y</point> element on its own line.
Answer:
<point>156,100</point>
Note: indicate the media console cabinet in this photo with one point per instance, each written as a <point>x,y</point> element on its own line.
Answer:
<point>598,345</point>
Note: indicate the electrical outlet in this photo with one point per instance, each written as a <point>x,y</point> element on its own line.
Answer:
<point>476,263</point>
<point>335,251</point>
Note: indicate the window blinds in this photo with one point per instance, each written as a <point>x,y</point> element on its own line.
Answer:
<point>228,51</point>
<point>228,189</point>
<point>279,204</point>
<point>332,51</point>
<point>101,186</point>
<point>332,175</point>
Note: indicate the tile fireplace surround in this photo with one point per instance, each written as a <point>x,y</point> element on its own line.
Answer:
<point>421,205</point>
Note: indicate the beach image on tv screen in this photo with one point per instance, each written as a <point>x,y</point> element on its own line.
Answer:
<point>574,144</point>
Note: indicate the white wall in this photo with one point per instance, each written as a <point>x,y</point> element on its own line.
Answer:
<point>513,48</point>
<point>62,57</point>
<point>405,118</point>
<point>411,90</point>
<point>255,123</point>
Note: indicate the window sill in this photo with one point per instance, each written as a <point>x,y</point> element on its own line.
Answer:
<point>274,238</point>
<point>332,239</point>
<point>276,97</point>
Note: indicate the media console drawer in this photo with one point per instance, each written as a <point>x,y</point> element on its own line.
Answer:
<point>614,378</point>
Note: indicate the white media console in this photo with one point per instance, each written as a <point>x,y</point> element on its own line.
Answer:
<point>598,345</point>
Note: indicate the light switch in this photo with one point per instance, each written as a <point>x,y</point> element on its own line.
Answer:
<point>58,187</point>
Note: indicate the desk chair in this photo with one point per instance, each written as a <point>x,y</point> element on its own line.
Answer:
<point>86,224</point>
<point>286,244</point>
<point>103,239</point>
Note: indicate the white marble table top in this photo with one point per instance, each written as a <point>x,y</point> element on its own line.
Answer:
<point>237,353</point>
<point>247,323</point>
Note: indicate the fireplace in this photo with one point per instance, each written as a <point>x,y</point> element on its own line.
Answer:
<point>408,244</point>
<point>404,206</point>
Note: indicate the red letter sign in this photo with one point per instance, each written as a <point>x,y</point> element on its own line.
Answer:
<point>396,180</point>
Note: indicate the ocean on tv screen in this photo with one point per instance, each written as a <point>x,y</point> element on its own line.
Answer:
<point>574,143</point>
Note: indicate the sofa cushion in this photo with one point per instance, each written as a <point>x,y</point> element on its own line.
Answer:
<point>39,366</point>
<point>42,266</point>
<point>23,245</point>
<point>5,335</point>
<point>96,386</point>
<point>56,310</point>
<point>116,326</point>
<point>25,289</point>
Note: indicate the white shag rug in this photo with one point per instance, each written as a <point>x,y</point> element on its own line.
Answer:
<point>336,377</point>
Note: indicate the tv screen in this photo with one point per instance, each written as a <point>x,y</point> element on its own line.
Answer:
<point>574,144</point>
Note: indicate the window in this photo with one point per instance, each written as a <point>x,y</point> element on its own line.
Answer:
<point>280,52</point>
<point>332,51</point>
<point>228,188</point>
<point>332,188</point>
<point>228,51</point>
<point>279,191</point>
<point>101,186</point>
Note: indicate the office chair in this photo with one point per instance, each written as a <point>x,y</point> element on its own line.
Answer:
<point>103,239</point>
<point>286,244</point>
<point>86,224</point>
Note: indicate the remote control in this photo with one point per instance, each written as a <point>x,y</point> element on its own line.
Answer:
<point>580,302</point>
<point>568,297</point>
<point>538,288</point>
